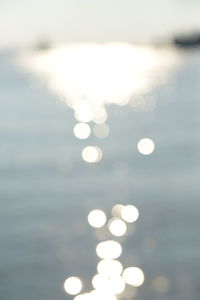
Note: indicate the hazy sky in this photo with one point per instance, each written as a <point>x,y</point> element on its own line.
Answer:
<point>25,21</point>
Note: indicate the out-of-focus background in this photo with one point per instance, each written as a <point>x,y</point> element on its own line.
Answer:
<point>99,150</point>
<point>24,22</point>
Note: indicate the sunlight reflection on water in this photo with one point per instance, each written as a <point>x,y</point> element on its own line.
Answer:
<point>112,278</point>
<point>88,77</point>
<point>100,74</point>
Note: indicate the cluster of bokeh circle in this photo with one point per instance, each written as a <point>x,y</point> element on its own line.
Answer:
<point>112,280</point>
<point>85,78</point>
<point>84,114</point>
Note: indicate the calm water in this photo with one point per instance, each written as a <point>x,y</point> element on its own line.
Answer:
<point>47,190</point>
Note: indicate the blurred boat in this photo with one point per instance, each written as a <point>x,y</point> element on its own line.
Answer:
<point>186,41</point>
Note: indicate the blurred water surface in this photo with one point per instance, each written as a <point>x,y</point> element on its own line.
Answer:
<point>47,189</point>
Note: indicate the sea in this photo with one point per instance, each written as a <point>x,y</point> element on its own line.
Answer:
<point>48,185</point>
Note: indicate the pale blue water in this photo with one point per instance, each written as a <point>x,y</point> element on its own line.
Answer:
<point>47,190</point>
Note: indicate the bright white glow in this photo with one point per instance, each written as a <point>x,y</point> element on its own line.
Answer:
<point>83,111</point>
<point>116,210</point>
<point>133,276</point>
<point>82,131</point>
<point>115,285</point>
<point>100,74</point>
<point>96,218</point>
<point>100,115</point>
<point>141,103</point>
<point>73,285</point>
<point>85,296</point>
<point>101,130</point>
<point>92,154</point>
<point>101,294</point>
<point>117,227</point>
<point>129,213</point>
<point>146,146</point>
<point>109,268</point>
<point>109,250</point>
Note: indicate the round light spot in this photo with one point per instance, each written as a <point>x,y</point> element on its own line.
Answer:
<point>110,268</point>
<point>101,294</point>
<point>133,276</point>
<point>100,116</point>
<point>117,227</point>
<point>73,285</point>
<point>145,146</point>
<point>114,285</point>
<point>83,111</point>
<point>92,154</point>
<point>101,130</point>
<point>96,218</point>
<point>129,213</point>
<point>109,250</point>
<point>82,131</point>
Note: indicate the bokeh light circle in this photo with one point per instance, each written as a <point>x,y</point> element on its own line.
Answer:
<point>117,227</point>
<point>97,218</point>
<point>82,131</point>
<point>73,285</point>
<point>129,213</point>
<point>133,276</point>
<point>92,154</point>
<point>109,267</point>
<point>83,112</point>
<point>109,249</point>
<point>146,146</point>
<point>112,285</point>
<point>101,130</point>
<point>101,295</point>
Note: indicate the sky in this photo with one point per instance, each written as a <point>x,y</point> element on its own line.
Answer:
<point>24,22</point>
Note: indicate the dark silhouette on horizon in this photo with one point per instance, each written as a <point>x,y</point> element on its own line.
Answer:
<point>192,40</point>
